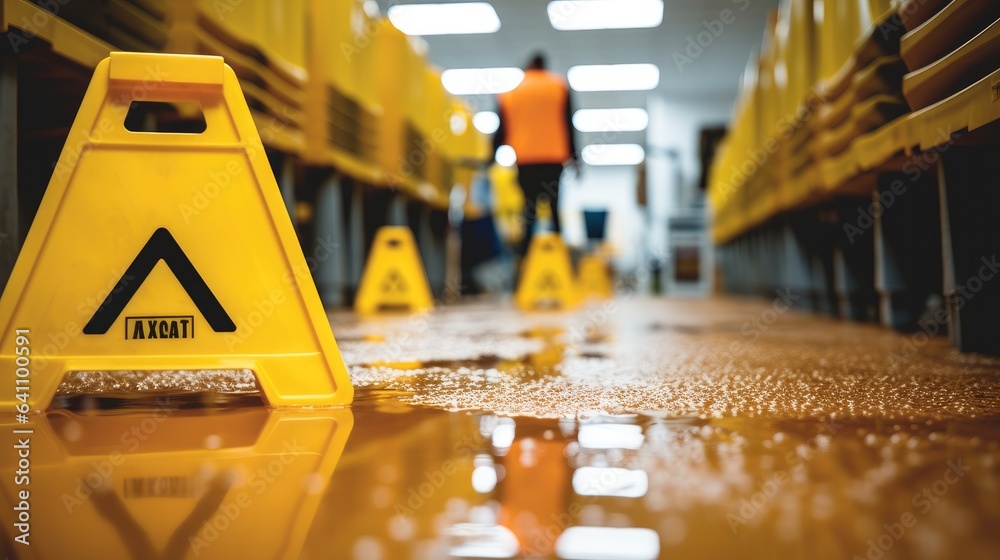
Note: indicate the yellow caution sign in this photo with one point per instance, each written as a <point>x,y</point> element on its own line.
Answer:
<point>595,277</point>
<point>546,275</point>
<point>165,251</point>
<point>172,483</point>
<point>394,278</point>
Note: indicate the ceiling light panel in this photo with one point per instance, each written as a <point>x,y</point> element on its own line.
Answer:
<point>445,19</point>
<point>614,77</point>
<point>610,120</point>
<point>578,15</point>
<point>613,154</point>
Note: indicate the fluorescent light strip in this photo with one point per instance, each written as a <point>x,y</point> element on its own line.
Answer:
<point>608,481</point>
<point>486,122</point>
<point>477,540</point>
<point>613,154</point>
<point>445,19</point>
<point>610,120</point>
<point>371,9</point>
<point>577,15</point>
<point>481,81</point>
<point>614,77</point>
<point>608,436</point>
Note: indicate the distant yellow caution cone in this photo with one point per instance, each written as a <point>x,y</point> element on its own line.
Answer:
<point>165,251</point>
<point>595,277</point>
<point>394,278</point>
<point>546,275</point>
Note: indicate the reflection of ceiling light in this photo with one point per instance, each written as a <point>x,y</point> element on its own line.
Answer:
<point>507,158</point>
<point>610,120</point>
<point>614,77</point>
<point>503,435</point>
<point>486,122</point>
<point>607,481</point>
<point>601,543</point>
<point>445,19</point>
<point>477,540</point>
<point>610,436</point>
<point>481,81</point>
<point>458,123</point>
<point>574,15</point>
<point>484,479</point>
<point>613,154</point>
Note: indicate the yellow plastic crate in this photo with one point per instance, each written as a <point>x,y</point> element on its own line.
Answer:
<point>264,43</point>
<point>434,125</point>
<point>393,54</point>
<point>343,105</point>
<point>277,30</point>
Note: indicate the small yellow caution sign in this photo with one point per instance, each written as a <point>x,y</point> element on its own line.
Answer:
<point>546,275</point>
<point>595,277</point>
<point>165,251</point>
<point>394,278</point>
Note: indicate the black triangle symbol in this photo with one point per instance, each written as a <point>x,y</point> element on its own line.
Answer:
<point>161,246</point>
<point>394,283</point>
<point>548,282</point>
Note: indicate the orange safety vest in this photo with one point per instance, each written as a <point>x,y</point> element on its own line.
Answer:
<point>534,118</point>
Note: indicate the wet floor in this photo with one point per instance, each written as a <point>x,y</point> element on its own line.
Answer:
<point>638,429</point>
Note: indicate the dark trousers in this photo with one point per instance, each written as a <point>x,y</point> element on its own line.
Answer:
<point>538,180</point>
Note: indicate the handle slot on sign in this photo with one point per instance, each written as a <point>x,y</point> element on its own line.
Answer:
<point>184,117</point>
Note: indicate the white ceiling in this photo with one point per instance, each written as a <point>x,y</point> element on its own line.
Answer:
<point>525,28</point>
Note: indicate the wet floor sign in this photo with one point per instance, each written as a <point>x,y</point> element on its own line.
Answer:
<point>546,275</point>
<point>394,278</point>
<point>595,277</point>
<point>165,251</point>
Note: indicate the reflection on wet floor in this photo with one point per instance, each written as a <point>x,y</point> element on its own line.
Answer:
<point>646,487</point>
<point>491,434</point>
<point>168,482</point>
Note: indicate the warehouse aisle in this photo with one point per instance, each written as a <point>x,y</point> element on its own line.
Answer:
<point>646,428</point>
<point>311,163</point>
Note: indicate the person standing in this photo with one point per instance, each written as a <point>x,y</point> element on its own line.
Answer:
<point>536,120</point>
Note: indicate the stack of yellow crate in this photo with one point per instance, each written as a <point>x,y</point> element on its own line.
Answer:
<point>343,103</point>
<point>272,73</point>
<point>327,83</point>
<point>843,93</point>
<point>824,78</point>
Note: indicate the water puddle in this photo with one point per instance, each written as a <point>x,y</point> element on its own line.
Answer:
<point>383,479</point>
<point>485,436</point>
